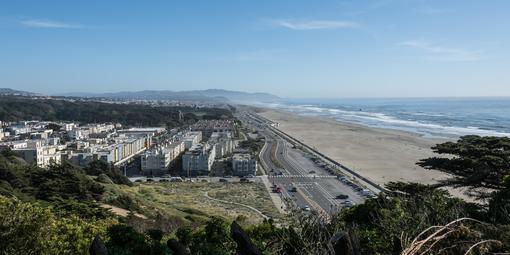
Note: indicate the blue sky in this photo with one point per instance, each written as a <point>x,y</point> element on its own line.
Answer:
<point>343,48</point>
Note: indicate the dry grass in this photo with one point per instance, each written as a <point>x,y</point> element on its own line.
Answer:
<point>187,200</point>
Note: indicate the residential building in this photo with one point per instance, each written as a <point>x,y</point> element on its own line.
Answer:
<point>191,139</point>
<point>207,127</point>
<point>223,143</point>
<point>198,160</point>
<point>244,164</point>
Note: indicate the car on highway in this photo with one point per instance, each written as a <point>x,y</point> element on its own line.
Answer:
<point>223,180</point>
<point>228,176</point>
<point>367,193</point>
<point>277,189</point>
<point>204,180</point>
<point>164,180</point>
<point>342,196</point>
<point>348,203</point>
<point>250,176</point>
<point>176,179</point>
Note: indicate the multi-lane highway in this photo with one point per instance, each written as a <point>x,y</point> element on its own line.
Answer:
<point>304,183</point>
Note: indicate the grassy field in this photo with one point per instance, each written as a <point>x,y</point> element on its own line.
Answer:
<point>252,194</point>
<point>187,204</point>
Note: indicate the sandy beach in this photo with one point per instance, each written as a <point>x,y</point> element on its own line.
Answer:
<point>381,155</point>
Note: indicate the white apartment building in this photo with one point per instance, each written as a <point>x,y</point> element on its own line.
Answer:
<point>198,160</point>
<point>191,139</point>
<point>223,143</point>
<point>41,156</point>
<point>244,164</point>
<point>156,162</point>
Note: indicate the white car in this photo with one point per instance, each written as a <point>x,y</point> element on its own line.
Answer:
<point>306,208</point>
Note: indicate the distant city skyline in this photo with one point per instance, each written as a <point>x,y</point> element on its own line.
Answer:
<point>293,49</point>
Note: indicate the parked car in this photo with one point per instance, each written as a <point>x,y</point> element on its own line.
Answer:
<point>348,203</point>
<point>163,180</point>
<point>312,172</point>
<point>222,180</point>
<point>244,180</point>
<point>150,180</point>
<point>306,208</point>
<point>204,180</point>
<point>293,189</point>
<point>368,193</point>
<point>342,196</point>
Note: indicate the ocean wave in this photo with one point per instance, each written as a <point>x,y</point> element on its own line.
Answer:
<point>382,120</point>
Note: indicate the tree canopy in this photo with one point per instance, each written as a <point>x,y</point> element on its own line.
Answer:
<point>473,162</point>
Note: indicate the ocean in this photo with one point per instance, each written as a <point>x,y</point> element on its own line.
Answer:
<point>429,117</point>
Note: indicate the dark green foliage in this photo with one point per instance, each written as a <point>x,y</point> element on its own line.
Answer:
<point>253,145</point>
<point>64,181</point>
<point>53,127</point>
<point>499,207</point>
<point>213,239</point>
<point>20,108</point>
<point>411,209</point>
<point>98,167</point>
<point>185,236</point>
<point>125,202</point>
<point>30,228</point>
<point>477,162</point>
<point>67,188</point>
<point>125,240</point>
<point>84,209</point>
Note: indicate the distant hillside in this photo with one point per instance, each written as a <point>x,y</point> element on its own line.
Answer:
<point>210,95</point>
<point>237,95</point>
<point>13,92</point>
<point>14,108</point>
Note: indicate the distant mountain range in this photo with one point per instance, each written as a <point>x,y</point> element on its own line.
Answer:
<point>216,95</point>
<point>13,92</point>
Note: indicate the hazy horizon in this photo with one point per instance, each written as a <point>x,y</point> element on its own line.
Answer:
<point>336,49</point>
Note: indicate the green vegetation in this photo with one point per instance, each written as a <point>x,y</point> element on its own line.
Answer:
<point>22,108</point>
<point>408,219</point>
<point>477,162</point>
<point>62,186</point>
<point>252,145</point>
<point>29,228</point>
<point>187,204</point>
<point>98,168</point>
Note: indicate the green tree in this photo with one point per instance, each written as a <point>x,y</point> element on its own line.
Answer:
<point>474,162</point>
<point>28,228</point>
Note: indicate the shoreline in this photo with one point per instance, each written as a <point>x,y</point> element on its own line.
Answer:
<point>381,155</point>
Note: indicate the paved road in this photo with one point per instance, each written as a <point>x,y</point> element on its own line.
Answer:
<point>316,188</point>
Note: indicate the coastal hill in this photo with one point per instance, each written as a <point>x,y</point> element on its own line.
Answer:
<point>209,95</point>
<point>13,92</point>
